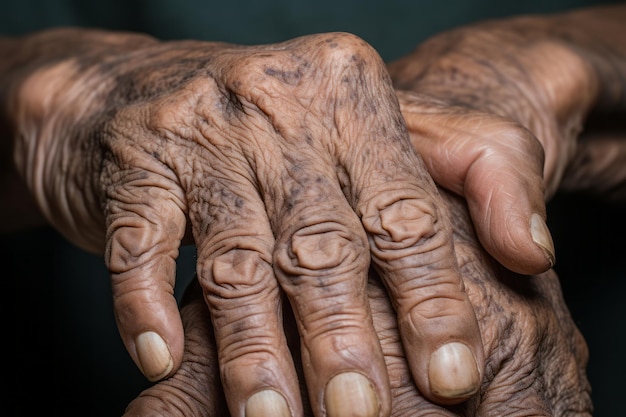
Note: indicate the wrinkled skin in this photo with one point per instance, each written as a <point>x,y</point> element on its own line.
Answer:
<point>497,109</point>
<point>154,142</point>
<point>498,149</point>
<point>287,165</point>
<point>535,356</point>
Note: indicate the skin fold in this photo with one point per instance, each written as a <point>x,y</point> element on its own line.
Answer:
<point>297,169</point>
<point>535,356</point>
<point>132,146</point>
<point>499,108</point>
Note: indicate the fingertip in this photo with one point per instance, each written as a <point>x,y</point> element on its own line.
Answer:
<point>351,394</point>
<point>453,373</point>
<point>153,356</point>
<point>542,237</point>
<point>267,403</point>
<point>515,233</point>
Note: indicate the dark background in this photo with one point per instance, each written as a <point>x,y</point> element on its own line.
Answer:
<point>64,354</point>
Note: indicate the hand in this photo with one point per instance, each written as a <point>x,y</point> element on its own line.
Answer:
<point>535,356</point>
<point>287,164</point>
<point>495,109</point>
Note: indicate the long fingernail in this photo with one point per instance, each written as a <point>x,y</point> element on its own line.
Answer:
<point>267,403</point>
<point>154,356</point>
<point>453,372</point>
<point>350,394</point>
<point>541,236</point>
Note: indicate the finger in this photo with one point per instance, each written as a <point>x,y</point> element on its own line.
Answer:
<point>411,245</point>
<point>321,261</point>
<point>234,246</point>
<point>319,246</point>
<point>321,254</point>
<point>410,239</point>
<point>406,400</point>
<point>145,224</point>
<point>195,390</point>
<point>498,167</point>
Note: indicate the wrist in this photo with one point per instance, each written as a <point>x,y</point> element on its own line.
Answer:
<point>597,35</point>
<point>53,85</point>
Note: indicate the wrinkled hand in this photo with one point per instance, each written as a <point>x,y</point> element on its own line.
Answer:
<point>288,164</point>
<point>495,110</point>
<point>535,356</point>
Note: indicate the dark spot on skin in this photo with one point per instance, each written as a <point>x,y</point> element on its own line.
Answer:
<point>156,74</point>
<point>322,284</point>
<point>371,107</point>
<point>293,198</point>
<point>295,192</point>
<point>287,77</point>
<point>231,105</point>
<point>156,155</point>
<point>142,175</point>
<point>239,202</point>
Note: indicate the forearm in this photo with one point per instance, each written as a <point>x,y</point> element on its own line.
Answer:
<point>36,70</point>
<point>559,66</point>
<point>598,168</point>
<point>599,36</point>
<point>542,75</point>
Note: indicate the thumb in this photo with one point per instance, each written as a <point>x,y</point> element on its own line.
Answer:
<point>497,165</point>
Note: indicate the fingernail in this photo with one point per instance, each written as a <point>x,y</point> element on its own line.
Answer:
<point>267,403</point>
<point>154,356</point>
<point>350,394</point>
<point>453,372</point>
<point>541,236</point>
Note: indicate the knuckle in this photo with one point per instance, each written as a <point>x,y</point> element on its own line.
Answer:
<point>402,224</point>
<point>236,275</point>
<point>243,301</point>
<point>137,232</point>
<point>183,112</point>
<point>323,249</point>
<point>127,248</point>
<point>344,50</point>
<point>399,229</point>
<point>248,340</point>
<point>303,66</point>
<point>132,244</point>
<point>337,324</point>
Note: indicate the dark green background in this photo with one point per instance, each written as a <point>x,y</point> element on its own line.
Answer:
<point>59,332</point>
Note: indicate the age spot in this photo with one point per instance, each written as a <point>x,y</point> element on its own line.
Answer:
<point>287,77</point>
